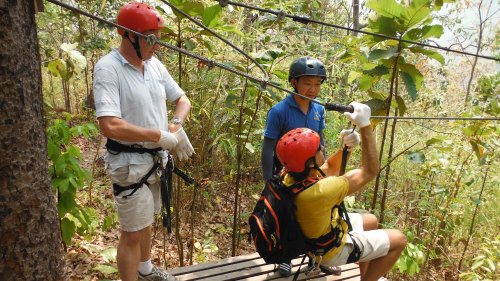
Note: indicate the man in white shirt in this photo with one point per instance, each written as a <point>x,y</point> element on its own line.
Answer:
<point>131,88</point>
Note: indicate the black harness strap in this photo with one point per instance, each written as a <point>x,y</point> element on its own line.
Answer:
<point>117,189</point>
<point>115,148</point>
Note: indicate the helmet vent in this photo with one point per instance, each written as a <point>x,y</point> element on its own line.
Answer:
<point>310,66</point>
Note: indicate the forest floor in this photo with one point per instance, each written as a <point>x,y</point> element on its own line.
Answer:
<point>93,257</point>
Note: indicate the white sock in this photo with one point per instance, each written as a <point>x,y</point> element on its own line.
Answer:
<point>145,267</point>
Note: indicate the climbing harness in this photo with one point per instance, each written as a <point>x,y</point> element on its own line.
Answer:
<point>263,83</point>
<point>114,148</point>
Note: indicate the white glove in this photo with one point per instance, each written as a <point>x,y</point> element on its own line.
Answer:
<point>350,139</point>
<point>167,141</point>
<point>361,115</point>
<point>184,149</point>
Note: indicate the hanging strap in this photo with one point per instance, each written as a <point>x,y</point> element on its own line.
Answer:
<point>342,208</point>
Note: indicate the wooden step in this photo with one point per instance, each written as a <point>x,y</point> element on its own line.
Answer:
<point>252,267</point>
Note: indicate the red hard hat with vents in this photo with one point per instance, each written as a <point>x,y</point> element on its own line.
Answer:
<point>139,17</point>
<point>296,147</point>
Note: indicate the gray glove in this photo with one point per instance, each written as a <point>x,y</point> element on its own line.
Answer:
<point>361,115</point>
<point>167,141</point>
<point>350,139</point>
<point>184,149</point>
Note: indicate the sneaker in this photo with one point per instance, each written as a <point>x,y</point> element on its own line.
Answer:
<point>285,269</point>
<point>157,275</point>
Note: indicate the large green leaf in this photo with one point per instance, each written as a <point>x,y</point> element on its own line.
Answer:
<point>385,54</point>
<point>415,13</point>
<point>401,105</point>
<point>56,66</point>
<point>68,230</point>
<point>379,70</point>
<point>230,28</point>
<point>429,53</point>
<point>353,75</point>
<point>211,15</point>
<point>432,31</point>
<point>190,8</point>
<point>365,82</point>
<point>109,254</point>
<point>414,73</point>
<point>410,85</point>
<point>383,25</point>
<point>425,32</point>
<point>386,8</point>
<point>269,55</point>
<point>105,268</point>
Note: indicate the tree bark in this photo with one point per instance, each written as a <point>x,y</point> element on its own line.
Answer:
<point>30,242</point>
<point>355,16</point>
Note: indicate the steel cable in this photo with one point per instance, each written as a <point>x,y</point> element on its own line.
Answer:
<point>262,82</point>
<point>306,20</point>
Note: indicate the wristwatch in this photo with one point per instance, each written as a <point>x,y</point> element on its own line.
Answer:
<point>177,120</point>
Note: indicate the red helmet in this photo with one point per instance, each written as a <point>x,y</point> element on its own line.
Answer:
<point>139,17</point>
<point>296,147</point>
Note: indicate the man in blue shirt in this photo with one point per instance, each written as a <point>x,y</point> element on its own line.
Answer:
<point>306,75</point>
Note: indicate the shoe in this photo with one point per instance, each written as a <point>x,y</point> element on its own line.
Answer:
<point>157,275</point>
<point>335,270</point>
<point>285,269</point>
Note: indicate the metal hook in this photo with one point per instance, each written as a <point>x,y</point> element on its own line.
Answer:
<point>223,3</point>
<point>151,39</point>
<point>211,63</point>
<point>281,15</point>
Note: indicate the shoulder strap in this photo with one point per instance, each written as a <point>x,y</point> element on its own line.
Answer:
<point>300,186</point>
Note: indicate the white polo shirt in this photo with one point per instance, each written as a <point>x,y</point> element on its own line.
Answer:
<point>121,90</point>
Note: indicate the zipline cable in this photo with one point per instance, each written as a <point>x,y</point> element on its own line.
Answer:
<point>305,20</point>
<point>263,83</point>
<point>439,118</point>
<point>218,36</point>
<point>151,39</point>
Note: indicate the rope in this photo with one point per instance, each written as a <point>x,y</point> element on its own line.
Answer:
<point>262,82</point>
<point>305,20</point>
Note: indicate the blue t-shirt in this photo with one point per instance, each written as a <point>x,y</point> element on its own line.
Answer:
<point>287,115</point>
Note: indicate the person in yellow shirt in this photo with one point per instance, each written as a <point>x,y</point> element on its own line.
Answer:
<point>301,153</point>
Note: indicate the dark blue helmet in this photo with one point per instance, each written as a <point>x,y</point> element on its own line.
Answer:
<point>307,66</point>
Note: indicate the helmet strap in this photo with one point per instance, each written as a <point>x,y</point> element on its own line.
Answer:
<point>137,48</point>
<point>318,168</point>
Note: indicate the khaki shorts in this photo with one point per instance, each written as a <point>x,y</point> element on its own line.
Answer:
<point>136,212</point>
<point>372,244</point>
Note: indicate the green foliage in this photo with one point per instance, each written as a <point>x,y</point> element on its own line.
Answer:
<point>486,263</point>
<point>396,20</point>
<point>412,257</point>
<point>68,177</point>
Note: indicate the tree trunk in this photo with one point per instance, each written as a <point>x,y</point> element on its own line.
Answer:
<point>355,16</point>
<point>30,242</point>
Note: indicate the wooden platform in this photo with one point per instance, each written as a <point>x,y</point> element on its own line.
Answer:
<point>252,267</point>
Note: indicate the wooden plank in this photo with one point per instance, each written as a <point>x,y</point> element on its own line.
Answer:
<point>252,267</point>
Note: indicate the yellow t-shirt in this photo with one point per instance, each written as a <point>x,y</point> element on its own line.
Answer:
<point>314,206</point>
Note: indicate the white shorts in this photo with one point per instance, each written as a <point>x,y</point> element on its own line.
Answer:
<point>136,212</point>
<point>372,244</point>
